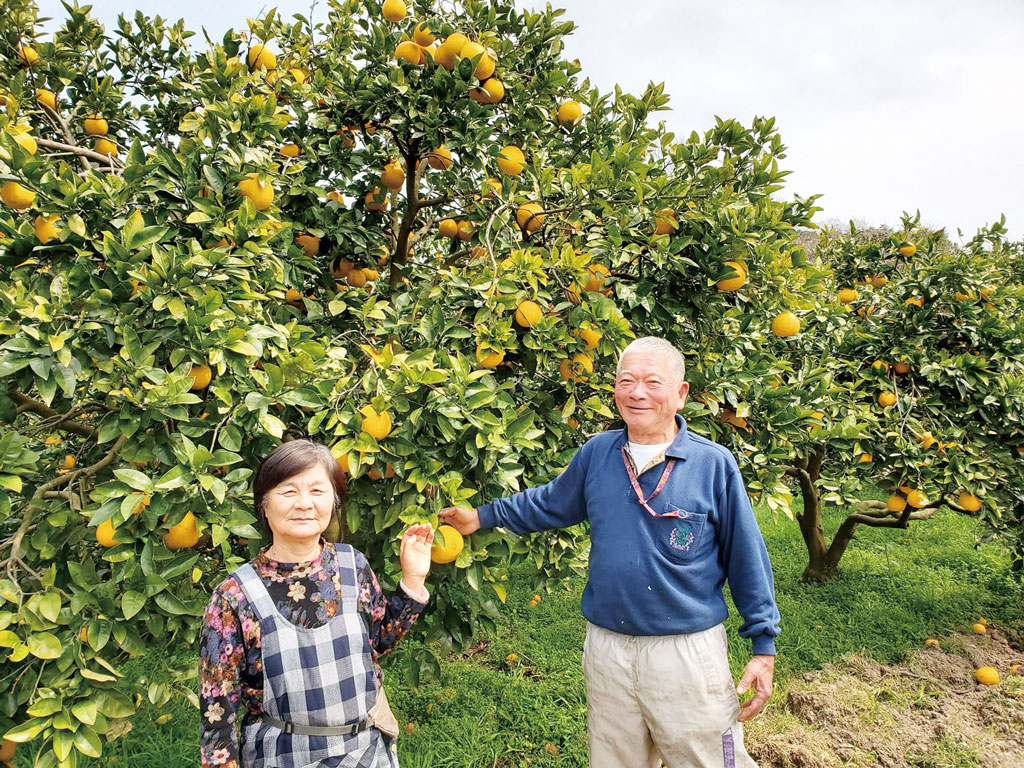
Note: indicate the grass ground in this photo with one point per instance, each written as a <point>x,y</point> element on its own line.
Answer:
<point>895,589</point>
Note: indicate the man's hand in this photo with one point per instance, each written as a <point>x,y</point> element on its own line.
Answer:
<point>465,521</point>
<point>758,675</point>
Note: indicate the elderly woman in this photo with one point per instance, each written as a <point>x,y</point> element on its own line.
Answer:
<point>291,639</point>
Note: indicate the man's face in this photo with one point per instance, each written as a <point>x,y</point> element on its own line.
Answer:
<point>648,394</point>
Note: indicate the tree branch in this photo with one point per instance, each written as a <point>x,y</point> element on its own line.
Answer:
<point>26,403</point>
<point>36,502</point>
<point>70,145</point>
<point>82,152</point>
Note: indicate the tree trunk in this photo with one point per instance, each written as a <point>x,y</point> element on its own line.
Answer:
<point>806,472</point>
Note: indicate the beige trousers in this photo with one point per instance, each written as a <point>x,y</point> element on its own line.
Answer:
<point>662,699</point>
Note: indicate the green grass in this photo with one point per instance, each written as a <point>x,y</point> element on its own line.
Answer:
<point>895,588</point>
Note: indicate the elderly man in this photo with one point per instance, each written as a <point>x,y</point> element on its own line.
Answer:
<point>669,522</point>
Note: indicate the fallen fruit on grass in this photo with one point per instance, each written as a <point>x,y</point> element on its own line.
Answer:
<point>987,675</point>
<point>979,628</point>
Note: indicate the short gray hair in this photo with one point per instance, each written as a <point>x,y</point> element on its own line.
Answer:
<point>656,346</point>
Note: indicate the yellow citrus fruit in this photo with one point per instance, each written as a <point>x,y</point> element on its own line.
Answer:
<point>298,75</point>
<point>377,425</point>
<point>422,35</point>
<point>969,501</point>
<point>8,748</point>
<point>408,51</point>
<point>16,196</point>
<point>865,458</point>
<point>932,641</point>
<point>1013,669</point>
<point>335,195</point>
<point>511,160</point>
<point>376,200</point>
<point>466,230</point>
<point>260,193</point>
<point>907,249</point>
<point>576,369</point>
<point>105,147</point>
<point>590,338</point>
<point>25,140</point>
<point>896,503</point>
<point>785,325</point>
<point>979,628</point>
<point>356,278</point>
<point>310,244</point>
<point>448,228</point>
<point>440,159</point>
<point>880,365</point>
<point>184,535</point>
<point>261,57</point>
<point>69,461</point>
<point>493,91</point>
<point>370,274</point>
<point>665,222</point>
<point>987,675</point>
<point>917,499</point>
<point>485,65</point>
<point>879,280</point>
<point>27,55</point>
<point>393,176</point>
<point>201,376</point>
<point>737,281</point>
<point>96,125</point>
<point>529,217</point>
<point>528,313</point>
<point>393,10</point>
<point>343,463</point>
<point>47,97</point>
<point>887,399</point>
<point>917,301</point>
<point>294,298</point>
<point>340,267</point>
<point>596,275</point>
<point>450,549</point>
<point>105,533</point>
<point>488,359</point>
<point>290,150</point>
<point>902,368</point>
<point>449,49</point>
<point>569,112</point>
<point>847,296</point>
<point>46,228</point>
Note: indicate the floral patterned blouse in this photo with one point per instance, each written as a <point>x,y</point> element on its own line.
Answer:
<point>230,657</point>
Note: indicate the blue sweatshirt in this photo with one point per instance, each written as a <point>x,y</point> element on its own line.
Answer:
<point>658,575</point>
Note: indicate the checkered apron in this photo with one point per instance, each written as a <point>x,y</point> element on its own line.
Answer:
<point>321,676</point>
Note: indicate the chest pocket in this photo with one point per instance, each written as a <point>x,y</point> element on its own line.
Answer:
<point>680,538</point>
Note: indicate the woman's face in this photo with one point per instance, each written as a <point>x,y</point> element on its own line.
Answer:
<point>299,508</point>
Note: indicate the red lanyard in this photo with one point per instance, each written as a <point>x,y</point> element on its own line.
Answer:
<point>645,503</point>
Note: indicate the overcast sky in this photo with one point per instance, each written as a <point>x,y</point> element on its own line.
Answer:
<point>885,105</point>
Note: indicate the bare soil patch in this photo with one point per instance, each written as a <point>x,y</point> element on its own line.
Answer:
<point>927,712</point>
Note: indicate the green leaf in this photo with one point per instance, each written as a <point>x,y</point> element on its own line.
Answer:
<point>44,645</point>
<point>113,703</point>
<point>85,711</point>
<point>49,606</point>
<point>131,603</point>
<point>44,707</point>
<point>134,479</point>
<point>87,741</point>
<point>500,590</point>
<point>27,731</point>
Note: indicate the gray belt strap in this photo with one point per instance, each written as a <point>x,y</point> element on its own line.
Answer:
<point>316,730</point>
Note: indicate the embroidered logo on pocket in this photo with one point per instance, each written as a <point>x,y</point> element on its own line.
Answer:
<point>681,537</point>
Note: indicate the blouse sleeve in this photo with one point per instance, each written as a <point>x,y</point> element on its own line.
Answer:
<point>390,618</point>
<point>221,657</point>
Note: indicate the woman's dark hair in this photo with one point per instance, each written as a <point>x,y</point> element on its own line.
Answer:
<point>288,460</point>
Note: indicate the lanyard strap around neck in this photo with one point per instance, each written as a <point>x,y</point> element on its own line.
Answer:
<point>636,483</point>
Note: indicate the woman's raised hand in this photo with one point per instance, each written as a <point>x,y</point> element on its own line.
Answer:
<point>414,555</point>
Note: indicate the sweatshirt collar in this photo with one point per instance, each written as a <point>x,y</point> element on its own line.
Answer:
<point>678,448</point>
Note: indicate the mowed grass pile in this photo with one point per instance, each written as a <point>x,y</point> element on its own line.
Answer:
<point>517,697</point>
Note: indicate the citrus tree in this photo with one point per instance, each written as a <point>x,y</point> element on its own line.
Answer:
<point>412,233</point>
<point>906,381</point>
